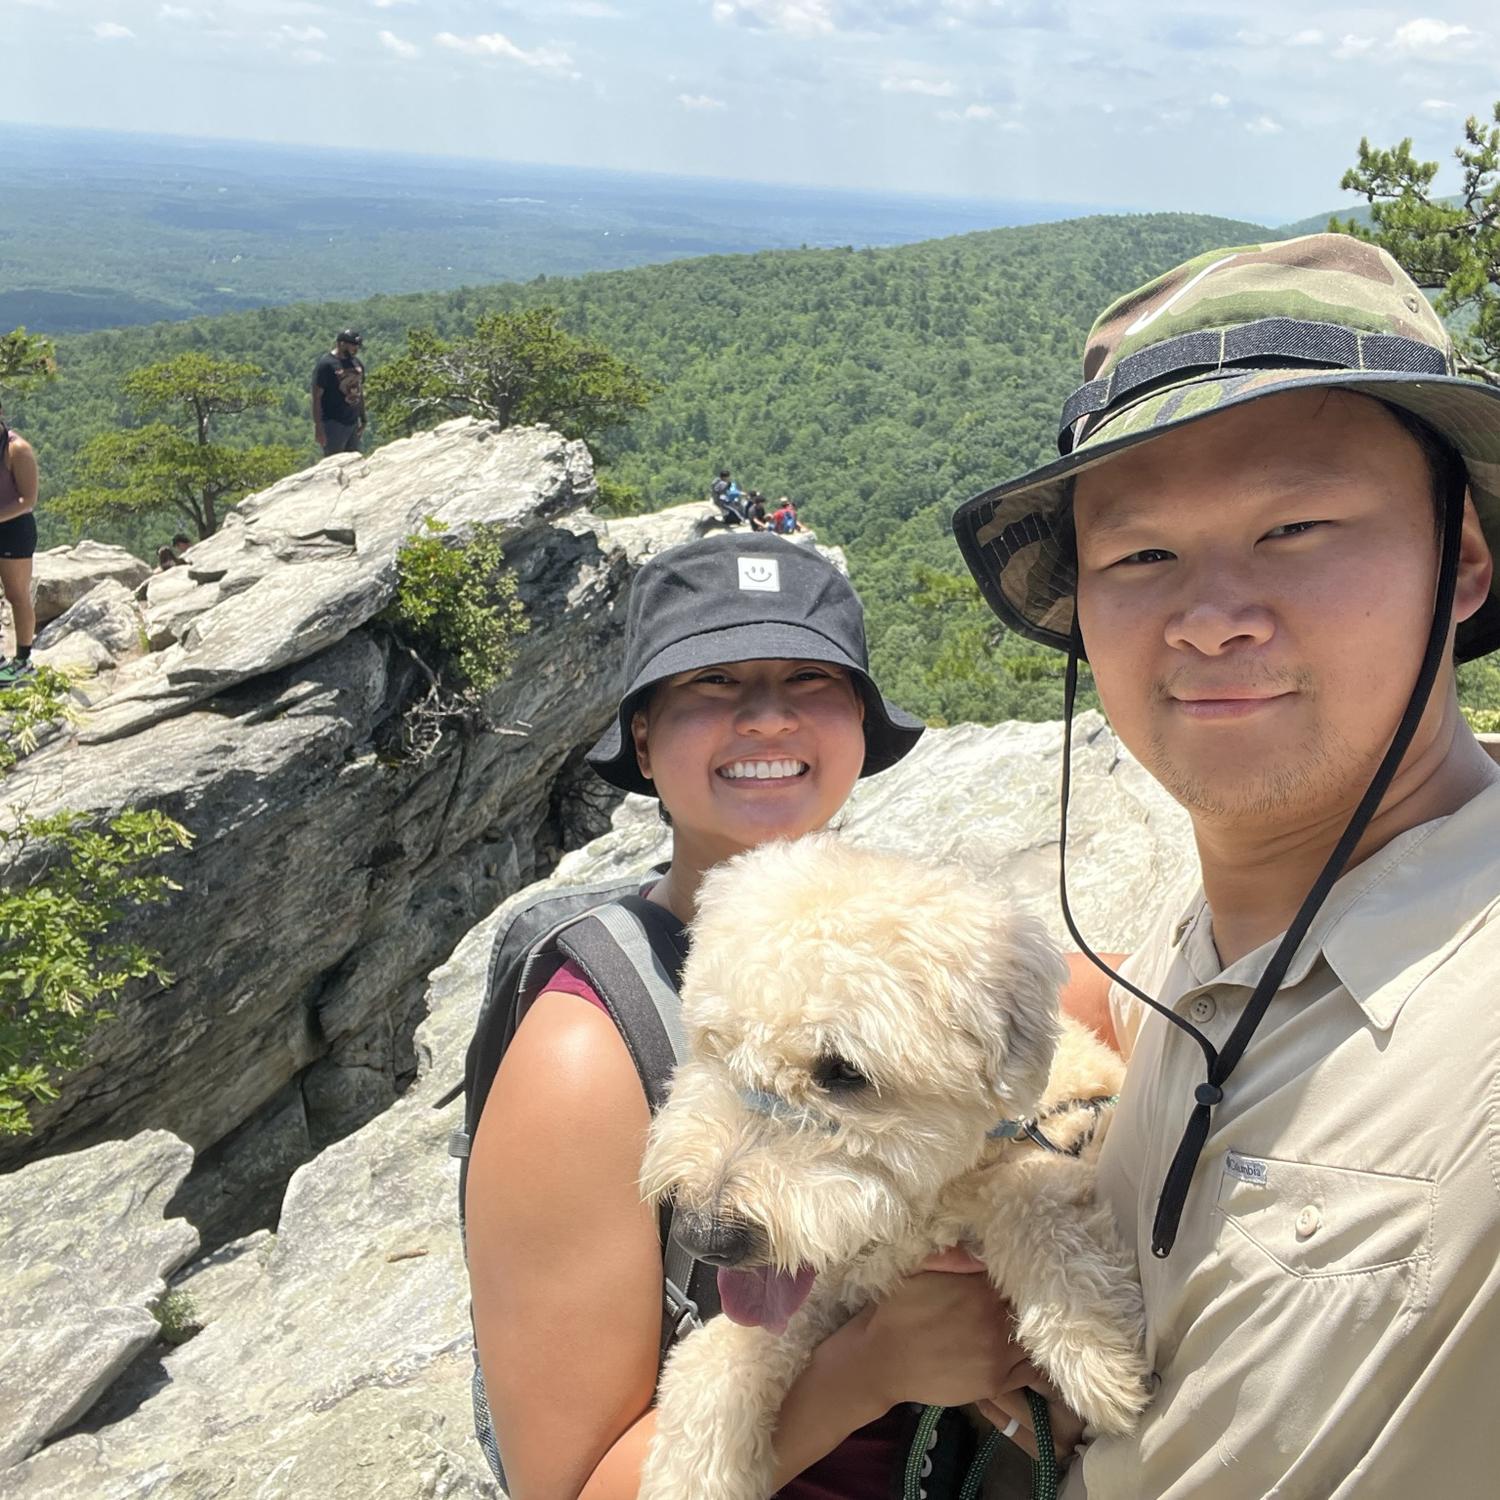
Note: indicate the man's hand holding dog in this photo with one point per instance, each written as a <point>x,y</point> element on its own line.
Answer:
<point>946,1338</point>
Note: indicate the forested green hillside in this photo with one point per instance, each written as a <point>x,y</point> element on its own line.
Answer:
<point>878,387</point>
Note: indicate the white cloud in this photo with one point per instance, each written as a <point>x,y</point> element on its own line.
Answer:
<point>811,18</point>
<point>112,31</point>
<point>1352,46</point>
<point>390,4</point>
<point>1312,37</point>
<point>309,57</point>
<point>303,35</point>
<point>700,101</point>
<point>1263,125</point>
<point>176,13</point>
<point>932,88</point>
<point>799,17</point>
<point>1219,101</point>
<point>398,47</point>
<point>1437,106</point>
<point>591,10</point>
<point>1427,37</point>
<point>975,112</point>
<point>551,60</point>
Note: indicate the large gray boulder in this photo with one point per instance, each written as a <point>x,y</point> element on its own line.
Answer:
<point>97,634</point>
<point>84,1253</point>
<point>61,576</point>
<point>346,1354</point>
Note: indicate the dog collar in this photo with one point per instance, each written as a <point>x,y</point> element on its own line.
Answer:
<point>763,1102</point>
<point>1010,1130</point>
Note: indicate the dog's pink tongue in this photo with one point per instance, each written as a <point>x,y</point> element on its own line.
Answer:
<point>765,1297</point>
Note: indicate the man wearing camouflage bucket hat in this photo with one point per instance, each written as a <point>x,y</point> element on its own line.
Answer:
<point>1270,534</point>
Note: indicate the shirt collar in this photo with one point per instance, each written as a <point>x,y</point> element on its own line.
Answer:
<point>1390,922</point>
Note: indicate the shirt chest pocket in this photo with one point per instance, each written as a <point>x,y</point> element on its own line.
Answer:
<point>1315,1221</point>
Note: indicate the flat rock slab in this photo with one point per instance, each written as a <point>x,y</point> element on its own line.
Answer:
<point>84,1251</point>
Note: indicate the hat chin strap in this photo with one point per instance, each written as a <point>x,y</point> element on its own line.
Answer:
<point>1221,1063</point>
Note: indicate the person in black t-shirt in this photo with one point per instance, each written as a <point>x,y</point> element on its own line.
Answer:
<point>338,396</point>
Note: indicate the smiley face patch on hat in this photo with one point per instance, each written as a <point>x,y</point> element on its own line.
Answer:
<point>762,574</point>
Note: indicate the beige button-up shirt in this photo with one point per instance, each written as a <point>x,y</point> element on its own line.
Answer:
<point>1327,1325</point>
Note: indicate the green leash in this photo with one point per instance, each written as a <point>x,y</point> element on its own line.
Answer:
<point>1044,1474</point>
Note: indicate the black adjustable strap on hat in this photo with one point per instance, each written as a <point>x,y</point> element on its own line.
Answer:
<point>1221,1062</point>
<point>1248,346</point>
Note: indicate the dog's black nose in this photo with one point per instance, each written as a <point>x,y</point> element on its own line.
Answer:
<point>720,1242</point>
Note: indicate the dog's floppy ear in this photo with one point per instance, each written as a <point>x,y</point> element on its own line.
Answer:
<point>1021,976</point>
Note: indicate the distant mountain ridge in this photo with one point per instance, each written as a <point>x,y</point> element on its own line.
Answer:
<point>103,229</point>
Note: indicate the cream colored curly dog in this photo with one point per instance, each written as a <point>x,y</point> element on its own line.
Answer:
<point>853,1056</point>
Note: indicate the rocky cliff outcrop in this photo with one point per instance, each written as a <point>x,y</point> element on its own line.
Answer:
<point>337,1360</point>
<point>328,874</point>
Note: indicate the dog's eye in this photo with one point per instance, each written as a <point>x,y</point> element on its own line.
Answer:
<point>838,1076</point>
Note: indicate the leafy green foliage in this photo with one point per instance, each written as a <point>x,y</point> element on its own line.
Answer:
<point>177,1317</point>
<point>26,360</point>
<point>161,467</point>
<point>459,601</point>
<point>513,367</point>
<point>198,386</point>
<point>1450,245</point>
<point>154,469</point>
<point>64,884</point>
<point>28,706</point>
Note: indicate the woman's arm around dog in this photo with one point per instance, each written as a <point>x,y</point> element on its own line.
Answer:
<point>565,1267</point>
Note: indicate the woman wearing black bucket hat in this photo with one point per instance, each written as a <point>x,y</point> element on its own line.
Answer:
<point>750,712</point>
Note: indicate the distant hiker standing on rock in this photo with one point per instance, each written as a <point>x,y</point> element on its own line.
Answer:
<point>18,491</point>
<point>338,396</point>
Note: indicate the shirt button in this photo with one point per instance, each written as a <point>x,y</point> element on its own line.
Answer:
<point>1203,1009</point>
<point>1308,1222</point>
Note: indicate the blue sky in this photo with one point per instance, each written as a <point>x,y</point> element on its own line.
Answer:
<point>1224,107</point>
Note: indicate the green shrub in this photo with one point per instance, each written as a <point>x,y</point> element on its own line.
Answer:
<point>1483,720</point>
<point>64,883</point>
<point>458,602</point>
<point>177,1317</point>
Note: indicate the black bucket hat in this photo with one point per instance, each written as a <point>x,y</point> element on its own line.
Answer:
<point>744,598</point>
<point>1230,326</point>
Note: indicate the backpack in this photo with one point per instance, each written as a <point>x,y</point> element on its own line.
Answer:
<point>631,951</point>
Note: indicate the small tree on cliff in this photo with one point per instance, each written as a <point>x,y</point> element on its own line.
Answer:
<point>64,884</point>
<point>1448,245</point>
<point>26,359</point>
<point>514,367</point>
<point>175,465</point>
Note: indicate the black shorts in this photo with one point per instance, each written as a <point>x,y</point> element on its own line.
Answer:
<point>18,537</point>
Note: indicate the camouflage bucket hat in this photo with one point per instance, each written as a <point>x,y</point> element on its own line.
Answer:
<point>1230,326</point>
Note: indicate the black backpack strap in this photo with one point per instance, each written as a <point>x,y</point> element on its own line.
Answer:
<point>631,951</point>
